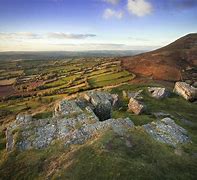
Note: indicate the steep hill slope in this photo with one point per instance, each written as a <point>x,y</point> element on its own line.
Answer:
<point>173,62</point>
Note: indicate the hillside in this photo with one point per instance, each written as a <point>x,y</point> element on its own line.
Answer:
<point>173,62</point>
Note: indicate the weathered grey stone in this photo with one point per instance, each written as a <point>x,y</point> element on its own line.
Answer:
<point>102,102</point>
<point>9,140</point>
<point>186,91</point>
<point>167,131</point>
<point>136,107</point>
<point>75,121</point>
<point>158,92</point>
<point>80,136</point>
<point>67,107</point>
<point>23,118</point>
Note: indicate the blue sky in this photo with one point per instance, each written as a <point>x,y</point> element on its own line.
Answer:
<point>75,25</point>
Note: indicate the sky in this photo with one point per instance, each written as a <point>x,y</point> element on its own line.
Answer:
<point>81,25</point>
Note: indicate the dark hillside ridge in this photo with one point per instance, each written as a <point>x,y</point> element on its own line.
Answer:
<point>176,61</point>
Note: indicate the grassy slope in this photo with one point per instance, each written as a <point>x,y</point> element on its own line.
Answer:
<point>109,157</point>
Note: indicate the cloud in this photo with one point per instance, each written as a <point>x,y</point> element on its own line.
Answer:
<point>110,13</point>
<point>101,46</point>
<point>19,35</point>
<point>94,46</point>
<point>139,7</point>
<point>59,35</point>
<point>53,35</point>
<point>114,2</point>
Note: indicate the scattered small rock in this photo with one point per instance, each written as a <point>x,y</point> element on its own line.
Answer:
<point>158,92</point>
<point>136,107</point>
<point>186,91</point>
<point>135,95</point>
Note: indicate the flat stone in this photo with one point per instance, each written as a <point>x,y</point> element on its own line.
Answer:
<point>167,131</point>
<point>80,136</point>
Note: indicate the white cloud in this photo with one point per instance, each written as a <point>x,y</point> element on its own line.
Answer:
<point>59,35</point>
<point>19,35</point>
<point>114,2</point>
<point>139,7</point>
<point>53,35</point>
<point>110,13</point>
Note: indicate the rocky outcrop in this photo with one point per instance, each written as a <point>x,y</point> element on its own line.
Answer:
<point>186,91</point>
<point>80,136</point>
<point>167,131</point>
<point>79,120</point>
<point>102,103</point>
<point>158,92</point>
<point>136,106</point>
<point>74,122</point>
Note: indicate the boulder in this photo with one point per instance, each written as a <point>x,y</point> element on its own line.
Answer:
<point>158,92</point>
<point>102,102</point>
<point>136,106</point>
<point>186,91</point>
<point>167,131</point>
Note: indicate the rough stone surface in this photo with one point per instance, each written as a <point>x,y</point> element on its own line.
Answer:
<point>74,121</point>
<point>136,106</point>
<point>67,108</point>
<point>158,92</point>
<point>102,103</point>
<point>167,131</point>
<point>186,91</point>
<point>79,136</point>
<point>23,118</point>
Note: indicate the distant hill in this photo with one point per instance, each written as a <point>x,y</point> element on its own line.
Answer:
<point>173,62</point>
<point>45,55</point>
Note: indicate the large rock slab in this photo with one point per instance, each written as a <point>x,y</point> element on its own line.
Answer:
<point>158,92</point>
<point>66,107</point>
<point>186,91</point>
<point>136,106</point>
<point>167,131</point>
<point>80,136</point>
<point>102,103</point>
<point>74,121</point>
